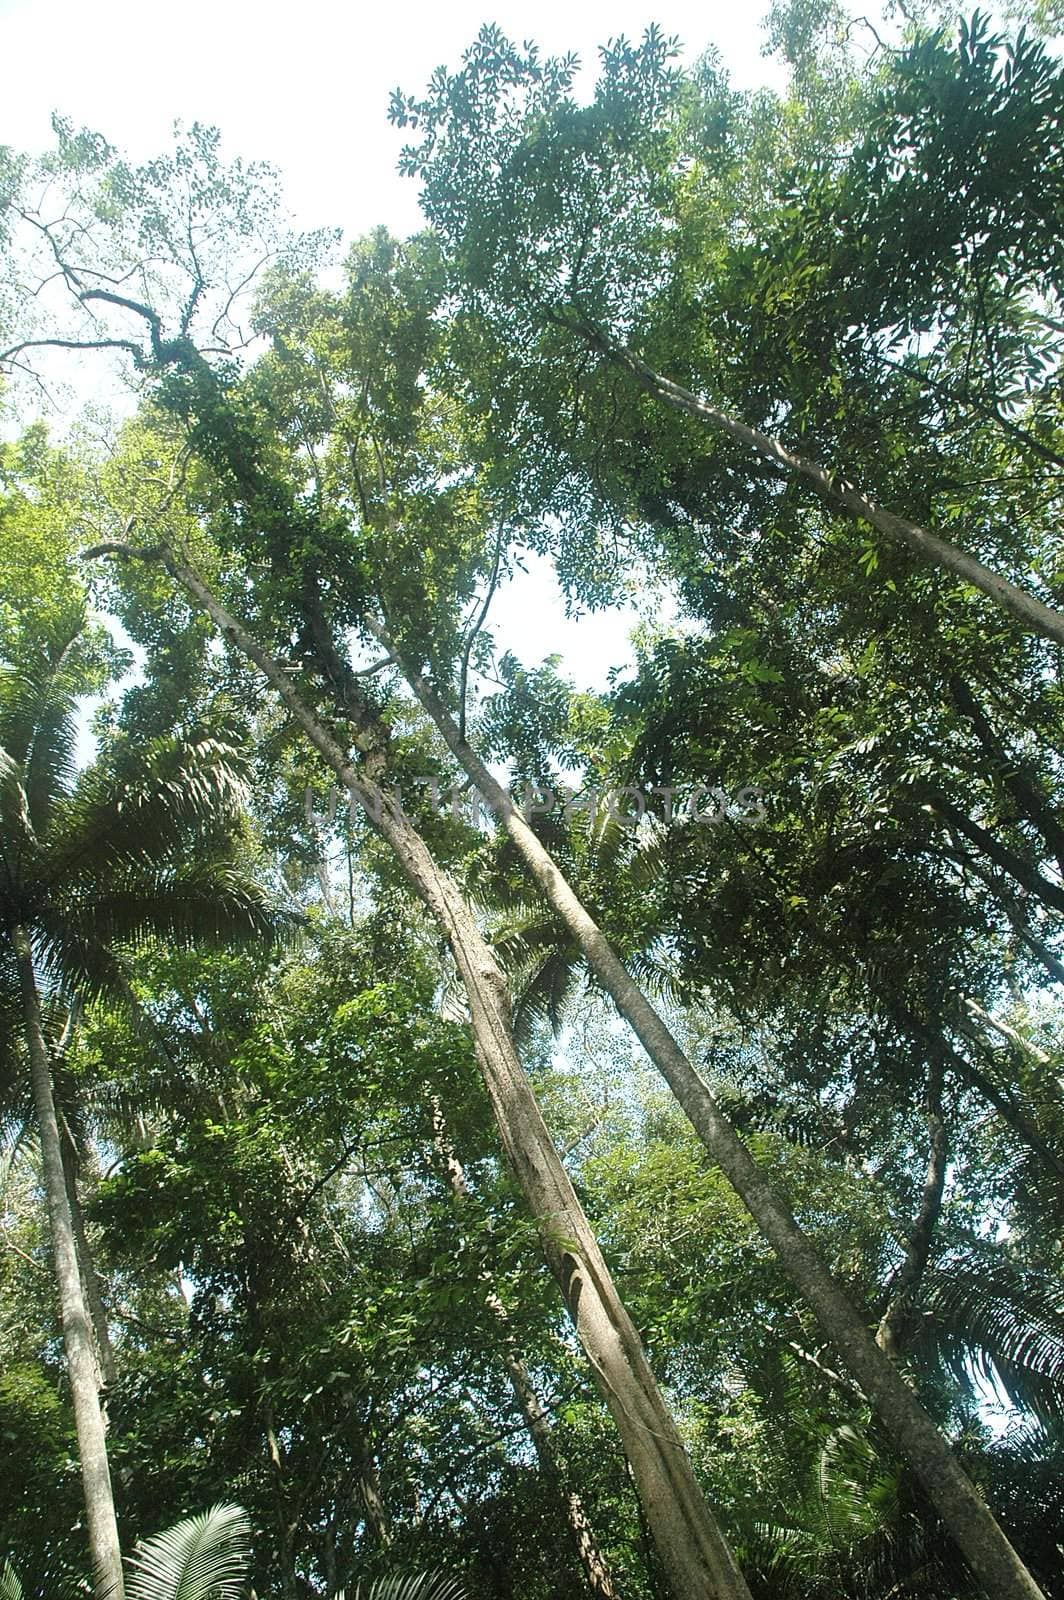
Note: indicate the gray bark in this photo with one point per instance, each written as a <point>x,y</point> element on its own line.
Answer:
<point>973,1526</point>
<point>100,1518</point>
<point>90,1278</point>
<point>369,1488</point>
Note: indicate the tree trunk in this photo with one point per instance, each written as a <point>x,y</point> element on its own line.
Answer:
<point>77,1328</point>
<point>288,1577</point>
<point>693,1550</point>
<point>90,1278</point>
<point>897,1318</point>
<point>1033,615</point>
<point>1024,873</point>
<point>369,1488</point>
<point>1019,782</point>
<point>1012,1114</point>
<point>582,1536</point>
<point>988,1552</point>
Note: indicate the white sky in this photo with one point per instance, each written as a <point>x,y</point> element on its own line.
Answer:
<point>302,83</point>
<point>306,86</point>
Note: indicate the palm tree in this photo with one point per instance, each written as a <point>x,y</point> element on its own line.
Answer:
<point>139,845</point>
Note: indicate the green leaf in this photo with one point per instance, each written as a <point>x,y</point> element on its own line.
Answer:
<point>201,1558</point>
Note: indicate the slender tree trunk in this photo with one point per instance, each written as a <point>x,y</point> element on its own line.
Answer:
<point>1022,872</point>
<point>328,1560</point>
<point>555,1471</point>
<point>1020,783</point>
<point>596,1572</point>
<point>1033,614</point>
<point>77,1328</point>
<point>988,1552</point>
<point>369,1488</point>
<point>1024,1048</point>
<point>693,1550</point>
<point>90,1278</point>
<point>286,1527</point>
<point>897,1318</point>
<point>1012,1115</point>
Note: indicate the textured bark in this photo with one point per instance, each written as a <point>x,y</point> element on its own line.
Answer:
<point>896,1320</point>
<point>693,1550</point>
<point>1033,614</point>
<point>977,1534</point>
<point>100,1518</point>
<point>555,1471</point>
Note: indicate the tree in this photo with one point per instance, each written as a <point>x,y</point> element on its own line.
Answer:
<point>228,442</point>
<point>630,221</point>
<point>93,863</point>
<point>322,474</point>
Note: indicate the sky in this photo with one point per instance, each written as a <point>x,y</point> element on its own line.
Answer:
<point>305,83</point>
<point>306,86</point>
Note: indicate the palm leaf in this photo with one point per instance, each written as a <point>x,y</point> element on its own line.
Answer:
<point>415,1586</point>
<point>49,1584</point>
<point>10,1587</point>
<point>1004,1324</point>
<point>201,1558</point>
<point>38,719</point>
<point>148,805</point>
<point>18,840</point>
<point>197,901</point>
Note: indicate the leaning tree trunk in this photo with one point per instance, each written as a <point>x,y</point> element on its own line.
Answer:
<point>896,1320</point>
<point>1032,614</point>
<point>978,1536</point>
<point>581,1534</point>
<point>77,1326</point>
<point>694,1552</point>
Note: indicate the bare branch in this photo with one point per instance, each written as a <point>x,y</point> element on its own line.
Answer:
<point>130,345</point>
<point>223,315</point>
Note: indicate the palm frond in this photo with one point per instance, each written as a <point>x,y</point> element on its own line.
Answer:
<point>1004,1324</point>
<point>18,838</point>
<point>857,1489</point>
<point>544,966</point>
<point>38,714</point>
<point>659,976</point>
<point>195,901</point>
<point>414,1586</point>
<point>148,806</point>
<point>50,1584</point>
<point>10,1586</point>
<point>201,1558</point>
